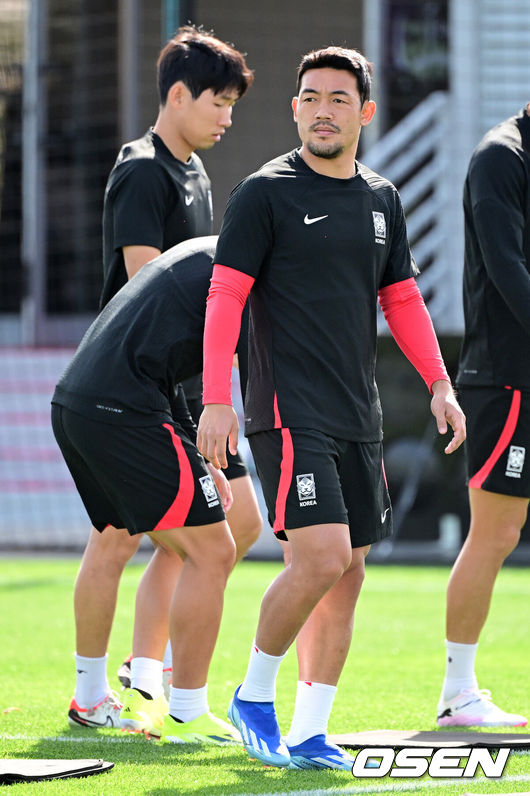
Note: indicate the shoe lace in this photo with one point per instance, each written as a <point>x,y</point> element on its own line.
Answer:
<point>481,694</point>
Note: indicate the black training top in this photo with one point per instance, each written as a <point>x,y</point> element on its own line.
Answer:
<point>320,248</point>
<point>151,199</point>
<point>496,347</point>
<point>145,340</point>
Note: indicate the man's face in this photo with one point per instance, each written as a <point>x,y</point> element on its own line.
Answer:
<point>204,120</point>
<point>329,112</point>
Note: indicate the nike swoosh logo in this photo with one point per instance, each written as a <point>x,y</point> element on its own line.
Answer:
<point>383,515</point>
<point>308,220</point>
<point>466,704</point>
<point>188,200</point>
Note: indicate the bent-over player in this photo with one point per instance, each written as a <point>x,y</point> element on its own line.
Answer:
<point>129,449</point>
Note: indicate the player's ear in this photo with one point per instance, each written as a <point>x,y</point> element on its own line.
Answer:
<point>367,112</point>
<point>176,93</point>
<point>294,106</point>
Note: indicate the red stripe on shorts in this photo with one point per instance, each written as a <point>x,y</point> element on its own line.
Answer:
<point>277,418</point>
<point>286,471</point>
<point>286,477</point>
<point>177,513</point>
<point>502,443</point>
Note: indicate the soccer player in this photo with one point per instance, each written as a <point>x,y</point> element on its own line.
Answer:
<point>157,195</point>
<point>315,237</point>
<point>494,385</point>
<point>128,446</point>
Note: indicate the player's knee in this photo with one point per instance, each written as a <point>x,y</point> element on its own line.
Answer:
<point>223,556</point>
<point>508,538</point>
<point>255,526</point>
<point>357,572</point>
<point>228,558</point>
<point>109,553</point>
<point>333,565</point>
<point>247,533</point>
<point>123,549</point>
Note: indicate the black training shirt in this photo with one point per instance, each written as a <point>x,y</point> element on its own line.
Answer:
<point>151,199</point>
<point>319,248</point>
<point>145,340</point>
<point>496,347</point>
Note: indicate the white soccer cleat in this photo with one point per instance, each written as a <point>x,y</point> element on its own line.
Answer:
<point>473,708</point>
<point>105,714</point>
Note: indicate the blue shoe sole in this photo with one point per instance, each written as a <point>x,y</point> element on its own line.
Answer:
<point>301,762</point>
<point>272,759</point>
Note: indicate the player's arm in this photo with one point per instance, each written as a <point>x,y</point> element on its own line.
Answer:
<point>497,191</point>
<point>135,257</point>
<point>245,238</point>
<point>412,329</point>
<point>228,293</point>
<point>139,212</point>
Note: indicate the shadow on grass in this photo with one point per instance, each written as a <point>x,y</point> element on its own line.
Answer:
<point>232,772</point>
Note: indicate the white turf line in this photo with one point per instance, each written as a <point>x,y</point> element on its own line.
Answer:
<point>71,739</point>
<point>126,737</point>
<point>401,787</point>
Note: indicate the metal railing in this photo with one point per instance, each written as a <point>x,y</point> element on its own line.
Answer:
<point>416,156</point>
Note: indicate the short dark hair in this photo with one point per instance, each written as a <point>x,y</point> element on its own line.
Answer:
<point>201,61</point>
<point>339,58</point>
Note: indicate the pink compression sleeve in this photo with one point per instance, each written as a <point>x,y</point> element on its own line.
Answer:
<point>228,293</point>
<point>412,329</point>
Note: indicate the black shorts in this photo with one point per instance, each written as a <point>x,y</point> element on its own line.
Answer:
<point>143,478</point>
<point>236,466</point>
<point>309,478</point>
<point>498,439</point>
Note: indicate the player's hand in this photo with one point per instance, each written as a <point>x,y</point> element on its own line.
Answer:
<point>217,423</point>
<point>446,410</point>
<point>223,486</point>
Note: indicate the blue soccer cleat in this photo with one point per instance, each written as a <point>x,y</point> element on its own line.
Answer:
<point>257,723</point>
<point>317,752</point>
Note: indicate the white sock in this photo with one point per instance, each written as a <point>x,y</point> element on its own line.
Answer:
<point>168,657</point>
<point>259,684</point>
<point>460,668</point>
<point>91,684</point>
<point>146,675</point>
<point>311,711</point>
<point>187,704</point>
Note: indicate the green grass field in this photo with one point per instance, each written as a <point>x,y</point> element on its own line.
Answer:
<point>392,681</point>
